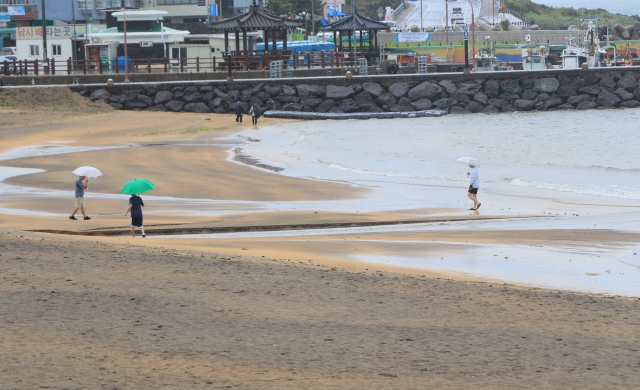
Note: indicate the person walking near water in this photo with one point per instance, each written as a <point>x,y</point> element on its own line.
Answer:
<point>135,207</point>
<point>81,184</point>
<point>474,185</point>
<point>239,112</point>
<point>255,113</point>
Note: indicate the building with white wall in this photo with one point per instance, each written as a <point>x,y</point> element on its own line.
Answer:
<point>59,42</point>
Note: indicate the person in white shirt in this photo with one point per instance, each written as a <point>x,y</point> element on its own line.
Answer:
<point>474,185</point>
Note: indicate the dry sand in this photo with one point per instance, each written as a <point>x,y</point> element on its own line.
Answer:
<point>113,312</point>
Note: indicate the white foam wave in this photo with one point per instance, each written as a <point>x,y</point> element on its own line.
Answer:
<point>611,191</point>
<point>394,174</point>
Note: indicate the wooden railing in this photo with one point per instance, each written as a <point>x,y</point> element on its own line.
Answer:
<point>239,62</point>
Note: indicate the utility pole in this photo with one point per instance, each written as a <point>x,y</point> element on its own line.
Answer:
<point>446,17</point>
<point>45,58</point>
<point>354,33</point>
<point>313,25</point>
<point>421,29</point>
<point>74,44</point>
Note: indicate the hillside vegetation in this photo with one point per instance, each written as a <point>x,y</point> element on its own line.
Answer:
<point>552,18</point>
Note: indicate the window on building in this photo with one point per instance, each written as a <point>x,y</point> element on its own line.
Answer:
<point>19,2</point>
<point>34,50</point>
<point>4,2</point>
<point>127,3</point>
<point>116,4</point>
<point>56,50</point>
<point>101,4</point>
<point>85,4</point>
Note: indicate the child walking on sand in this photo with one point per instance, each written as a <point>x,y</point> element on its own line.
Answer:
<point>239,112</point>
<point>135,207</point>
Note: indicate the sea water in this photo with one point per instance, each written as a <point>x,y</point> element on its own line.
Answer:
<point>585,156</point>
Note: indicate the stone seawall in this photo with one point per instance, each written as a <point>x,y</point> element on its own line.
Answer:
<point>454,93</point>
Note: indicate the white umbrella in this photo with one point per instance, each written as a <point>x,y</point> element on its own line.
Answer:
<point>87,171</point>
<point>469,161</point>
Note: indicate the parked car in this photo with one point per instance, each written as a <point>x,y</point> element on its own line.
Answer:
<point>8,51</point>
<point>11,68</point>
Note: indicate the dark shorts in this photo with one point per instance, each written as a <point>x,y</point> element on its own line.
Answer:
<point>136,222</point>
<point>473,190</point>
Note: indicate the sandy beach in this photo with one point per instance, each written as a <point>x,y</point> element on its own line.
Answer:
<point>85,306</point>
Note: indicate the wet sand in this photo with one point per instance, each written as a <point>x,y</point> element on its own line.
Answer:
<point>291,312</point>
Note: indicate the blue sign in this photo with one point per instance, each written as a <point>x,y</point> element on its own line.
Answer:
<point>5,17</point>
<point>213,10</point>
<point>324,22</point>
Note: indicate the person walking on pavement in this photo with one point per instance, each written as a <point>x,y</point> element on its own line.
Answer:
<point>81,185</point>
<point>239,112</point>
<point>474,185</point>
<point>255,113</point>
<point>135,207</point>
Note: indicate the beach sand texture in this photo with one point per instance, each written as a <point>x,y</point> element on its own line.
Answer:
<point>109,311</point>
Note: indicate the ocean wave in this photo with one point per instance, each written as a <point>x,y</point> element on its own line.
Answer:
<point>593,167</point>
<point>612,191</point>
<point>393,174</point>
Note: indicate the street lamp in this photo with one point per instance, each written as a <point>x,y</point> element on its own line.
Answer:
<point>421,29</point>
<point>304,18</point>
<point>126,56</point>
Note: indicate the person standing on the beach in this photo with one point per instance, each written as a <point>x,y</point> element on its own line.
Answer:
<point>239,112</point>
<point>135,207</point>
<point>255,113</point>
<point>474,185</point>
<point>81,185</point>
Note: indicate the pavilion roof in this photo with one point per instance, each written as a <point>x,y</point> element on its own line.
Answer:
<point>255,19</point>
<point>355,20</point>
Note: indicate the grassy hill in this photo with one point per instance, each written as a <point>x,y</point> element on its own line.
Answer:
<point>551,18</point>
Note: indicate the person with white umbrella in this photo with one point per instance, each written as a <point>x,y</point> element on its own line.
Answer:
<point>474,180</point>
<point>82,183</point>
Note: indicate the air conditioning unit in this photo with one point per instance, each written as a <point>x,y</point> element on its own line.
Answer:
<point>146,44</point>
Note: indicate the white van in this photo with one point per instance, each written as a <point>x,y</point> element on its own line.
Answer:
<point>392,25</point>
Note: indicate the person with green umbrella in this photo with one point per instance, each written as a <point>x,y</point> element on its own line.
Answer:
<point>136,204</point>
<point>135,207</point>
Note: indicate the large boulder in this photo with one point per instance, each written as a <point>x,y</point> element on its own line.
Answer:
<point>490,110</point>
<point>309,90</point>
<point>566,91</point>
<point>348,105</point>
<point>399,89</point>
<point>593,90</point>
<point>577,99</point>
<point>492,88</point>
<point>510,86</point>
<point>524,105</point>
<point>288,91</point>
<point>529,94</point>
<point>364,100</point>
<point>192,97</point>
<point>272,90</point>
<point>469,88</point>
<point>497,102</point>
<point>100,94</point>
<point>623,94</point>
<point>458,110</point>
<point>163,97</point>
<point>422,104</point>
<point>174,105</point>
<point>628,82</point>
<point>475,106</point>
<point>134,105</point>
<point>338,92</point>
<point>287,99</point>
<point>608,99</point>
<point>630,104</point>
<point>552,103</point>
<point>326,105</point>
<point>425,90</point>
<point>481,97</point>
<point>311,102</point>
<point>587,106</point>
<point>197,107</point>
<point>386,99</point>
<point>607,81</point>
<point>445,103</point>
<point>145,99</point>
<point>374,89</point>
<point>547,85</point>
<point>449,86</point>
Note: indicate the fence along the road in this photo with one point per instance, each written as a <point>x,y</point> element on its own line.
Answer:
<point>178,65</point>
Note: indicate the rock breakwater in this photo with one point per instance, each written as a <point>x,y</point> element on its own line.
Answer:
<point>455,94</point>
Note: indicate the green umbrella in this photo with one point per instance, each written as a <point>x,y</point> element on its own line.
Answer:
<point>136,186</point>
